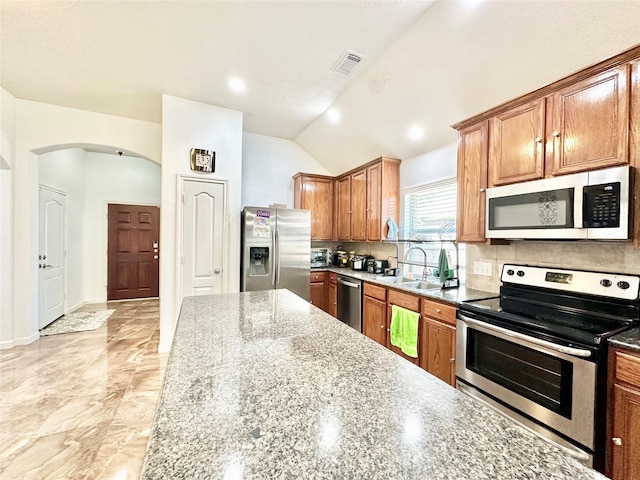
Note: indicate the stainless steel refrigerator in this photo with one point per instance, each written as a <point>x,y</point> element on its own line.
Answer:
<point>276,247</point>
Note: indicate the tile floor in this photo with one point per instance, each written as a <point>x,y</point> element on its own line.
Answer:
<point>80,405</point>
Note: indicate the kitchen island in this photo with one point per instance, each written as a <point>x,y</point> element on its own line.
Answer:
<point>263,385</point>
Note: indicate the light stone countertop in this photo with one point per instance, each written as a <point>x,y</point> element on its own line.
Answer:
<point>263,385</point>
<point>448,295</point>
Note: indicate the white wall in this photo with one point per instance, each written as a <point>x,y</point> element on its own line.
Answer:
<point>41,128</point>
<point>64,170</point>
<point>429,167</point>
<point>7,148</point>
<point>111,179</point>
<point>186,125</point>
<point>268,165</point>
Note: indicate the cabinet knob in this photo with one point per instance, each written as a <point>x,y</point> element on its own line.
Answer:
<point>538,140</point>
<point>452,360</point>
<point>482,189</point>
<point>616,441</point>
<point>438,310</point>
<point>556,133</point>
<point>381,326</point>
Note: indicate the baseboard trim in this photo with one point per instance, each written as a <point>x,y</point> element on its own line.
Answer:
<point>73,308</point>
<point>19,341</point>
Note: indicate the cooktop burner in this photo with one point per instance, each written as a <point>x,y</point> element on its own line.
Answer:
<point>561,304</point>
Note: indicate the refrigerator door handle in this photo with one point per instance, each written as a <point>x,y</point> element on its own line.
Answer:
<point>277,268</point>
<point>274,258</point>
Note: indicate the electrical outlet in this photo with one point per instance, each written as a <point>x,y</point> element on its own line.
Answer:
<point>482,268</point>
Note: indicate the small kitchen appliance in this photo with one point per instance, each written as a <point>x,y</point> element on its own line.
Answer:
<point>538,352</point>
<point>359,262</point>
<point>342,259</point>
<point>320,257</point>
<point>587,205</point>
<point>377,266</point>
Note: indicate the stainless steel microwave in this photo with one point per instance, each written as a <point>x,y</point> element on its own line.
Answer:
<point>587,205</point>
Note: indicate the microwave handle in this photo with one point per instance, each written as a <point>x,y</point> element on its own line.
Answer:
<point>578,206</point>
<point>576,352</point>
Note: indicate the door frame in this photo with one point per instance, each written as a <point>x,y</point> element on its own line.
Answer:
<point>65,240</point>
<point>180,180</point>
<point>105,244</point>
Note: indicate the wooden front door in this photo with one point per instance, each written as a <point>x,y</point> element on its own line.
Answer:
<point>133,250</point>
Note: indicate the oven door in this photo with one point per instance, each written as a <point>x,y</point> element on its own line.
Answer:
<point>549,208</point>
<point>552,384</point>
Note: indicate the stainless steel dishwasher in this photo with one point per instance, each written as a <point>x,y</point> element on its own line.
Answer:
<point>350,302</point>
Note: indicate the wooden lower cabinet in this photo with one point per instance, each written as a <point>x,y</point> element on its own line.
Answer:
<point>410,302</point>
<point>332,295</point>
<point>438,350</point>
<point>623,450</point>
<point>317,290</point>
<point>374,319</point>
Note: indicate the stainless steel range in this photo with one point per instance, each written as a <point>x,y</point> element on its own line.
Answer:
<point>538,352</point>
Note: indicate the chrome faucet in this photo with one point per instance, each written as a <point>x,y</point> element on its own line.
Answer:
<point>424,265</point>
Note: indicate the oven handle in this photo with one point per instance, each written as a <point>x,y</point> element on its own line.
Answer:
<point>576,352</point>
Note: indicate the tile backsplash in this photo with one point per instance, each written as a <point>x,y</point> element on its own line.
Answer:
<point>612,257</point>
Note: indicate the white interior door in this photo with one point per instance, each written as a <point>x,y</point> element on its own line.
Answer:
<point>203,252</point>
<point>51,261</point>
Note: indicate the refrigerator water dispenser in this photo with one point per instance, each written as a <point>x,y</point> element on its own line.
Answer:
<point>258,260</point>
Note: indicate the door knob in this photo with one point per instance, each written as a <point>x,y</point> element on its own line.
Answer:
<point>47,266</point>
<point>216,270</point>
<point>155,257</point>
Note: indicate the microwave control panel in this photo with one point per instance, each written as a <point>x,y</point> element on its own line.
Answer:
<point>601,204</point>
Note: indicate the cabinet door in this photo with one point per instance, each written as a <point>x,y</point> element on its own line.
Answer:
<point>317,196</point>
<point>374,319</point>
<point>438,354</point>
<point>472,182</point>
<point>343,212</point>
<point>332,300</point>
<point>374,203</point>
<point>626,428</point>
<point>516,151</point>
<point>634,146</point>
<point>588,124</point>
<point>358,205</point>
<point>316,291</point>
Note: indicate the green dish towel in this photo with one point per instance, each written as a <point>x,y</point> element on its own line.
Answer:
<point>443,266</point>
<point>404,330</point>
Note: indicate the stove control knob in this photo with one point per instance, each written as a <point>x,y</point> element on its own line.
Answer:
<point>605,282</point>
<point>510,271</point>
<point>520,273</point>
<point>623,285</point>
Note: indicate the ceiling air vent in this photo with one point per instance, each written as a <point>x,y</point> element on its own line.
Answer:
<point>347,62</point>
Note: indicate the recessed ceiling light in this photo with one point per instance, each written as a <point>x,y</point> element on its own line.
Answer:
<point>237,85</point>
<point>333,115</point>
<point>415,133</point>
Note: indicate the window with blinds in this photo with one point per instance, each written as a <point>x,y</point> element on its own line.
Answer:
<point>430,214</point>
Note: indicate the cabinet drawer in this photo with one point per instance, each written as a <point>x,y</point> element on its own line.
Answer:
<point>628,368</point>
<point>375,291</point>
<point>333,278</point>
<point>404,300</point>
<point>317,277</point>
<point>439,311</point>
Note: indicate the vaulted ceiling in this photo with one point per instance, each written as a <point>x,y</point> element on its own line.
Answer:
<point>427,64</point>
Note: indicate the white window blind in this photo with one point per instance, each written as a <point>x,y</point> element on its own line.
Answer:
<point>430,214</point>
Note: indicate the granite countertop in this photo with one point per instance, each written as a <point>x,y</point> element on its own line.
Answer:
<point>449,295</point>
<point>629,340</point>
<point>264,385</point>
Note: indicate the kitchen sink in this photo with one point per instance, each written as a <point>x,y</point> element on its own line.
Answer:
<point>395,279</point>
<point>420,285</point>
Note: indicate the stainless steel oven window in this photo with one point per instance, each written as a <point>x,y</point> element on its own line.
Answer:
<point>540,377</point>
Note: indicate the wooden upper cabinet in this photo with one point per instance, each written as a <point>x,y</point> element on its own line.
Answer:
<point>472,182</point>
<point>343,208</point>
<point>366,198</point>
<point>358,205</point>
<point>634,146</point>
<point>374,205</point>
<point>315,193</point>
<point>588,124</point>
<point>516,151</point>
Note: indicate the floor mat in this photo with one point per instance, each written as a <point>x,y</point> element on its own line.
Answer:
<point>77,322</point>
